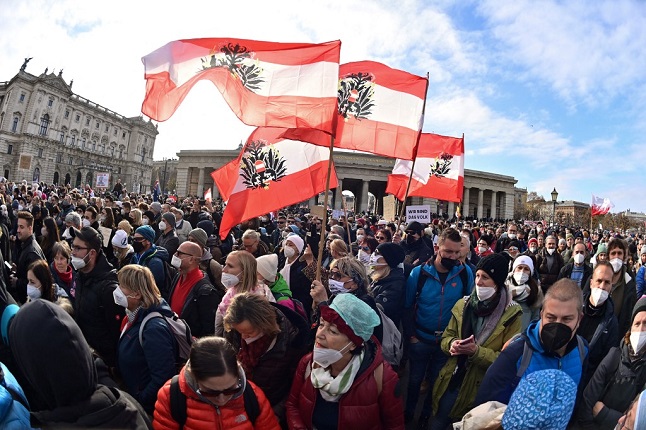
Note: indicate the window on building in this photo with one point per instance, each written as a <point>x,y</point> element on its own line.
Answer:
<point>78,117</point>
<point>40,152</point>
<point>97,125</point>
<point>83,143</point>
<point>59,157</point>
<point>107,128</point>
<point>123,136</point>
<point>14,126</point>
<point>73,140</point>
<point>6,173</point>
<point>22,98</point>
<point>118,171</point>
<point>44,125</point>
<point>9,150</point>
<point>87,121</point>
<point>143,155</point>
<point>67,114</point>
<point>70,161</point>
<point>114,133</point>
<point>93,146</point>
<point>50,103</point>
<point>62,139</point>
<point>120,152</point>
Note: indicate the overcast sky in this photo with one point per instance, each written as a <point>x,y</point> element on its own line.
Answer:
<point>551,93</point>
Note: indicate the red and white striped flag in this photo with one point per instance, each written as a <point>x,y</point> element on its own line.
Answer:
<point>438,173</point>
<point>271,173</point>
<point>265,83</point>
<point>207,195</point>
<point>600,206</point>
<point>380,110</point>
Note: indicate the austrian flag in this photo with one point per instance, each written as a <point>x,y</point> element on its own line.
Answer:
<point>270,173</point>
<point>438,172</point>
<point>265,83</point>
<point>600,206</point>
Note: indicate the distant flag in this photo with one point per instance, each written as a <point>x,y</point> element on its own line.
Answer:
<point>264,83</point>
<point>380,110</point>
<point>438,171</point>
<point>156,191</point>
<point>600,206</point>
<point>208,195</point>
<point>270,173</point>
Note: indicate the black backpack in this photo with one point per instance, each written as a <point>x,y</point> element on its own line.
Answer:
<point>178,403</point>
<point>169,274</point>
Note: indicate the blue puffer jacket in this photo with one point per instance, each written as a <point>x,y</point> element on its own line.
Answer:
<point>13,415</point>
<point>433,306</point>
<point>145,368</point>
<point>500,380</point>
<point>153,259</point>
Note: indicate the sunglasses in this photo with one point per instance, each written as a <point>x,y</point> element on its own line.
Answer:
<point>336,276</point>
<point>215,393</point>
<point>380,238</point>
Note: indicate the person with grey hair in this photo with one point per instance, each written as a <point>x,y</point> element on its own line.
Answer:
<point>182,227</point>
<point>337,229</point>
<point>72,220</point>
<point>251,243</point>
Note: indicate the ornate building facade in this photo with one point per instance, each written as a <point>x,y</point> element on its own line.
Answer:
<point>49,134</point>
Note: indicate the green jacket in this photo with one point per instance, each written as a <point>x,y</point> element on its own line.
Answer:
<point>477,365</point>
<point>280,289</point>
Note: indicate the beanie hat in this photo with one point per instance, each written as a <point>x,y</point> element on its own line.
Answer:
<point>415,226</point>
<point>543,400</point>
<point>532,240</point>
<point>156,206</point>
<point>169,217</point>
<point>602,249</point>
<point>147,232</point>
<point>393,253</point>
<point>207,226</point>
<point>199,235</point>
<point>640,415</point>
<point>562,242</point>
<point>150,215</point>
<point>527,261</point>
<point>297,241</point>
<point>514,243</point>
<point>120,239</point>
<point>640,306</point>
<point>496,266</point>
<point>267,266</point>
<point>352,316</point>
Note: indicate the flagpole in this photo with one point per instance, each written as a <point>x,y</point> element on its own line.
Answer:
<point>412,170</point>
<point>347,224</point>
<point>324,220</point>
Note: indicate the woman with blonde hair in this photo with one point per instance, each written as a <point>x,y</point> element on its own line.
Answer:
<point>239,275</point>
<point>144,366</point>
<point>137,218</point>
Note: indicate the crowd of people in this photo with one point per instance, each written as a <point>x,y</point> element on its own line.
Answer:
<point>120,310</point>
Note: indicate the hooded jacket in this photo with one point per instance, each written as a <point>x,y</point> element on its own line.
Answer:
<point>153,259</point>
<point>57,362</point>
<point>96,313</point>
<point>389,293</point>
<point>25,253</point>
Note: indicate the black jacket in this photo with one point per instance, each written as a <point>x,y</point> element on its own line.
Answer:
<point>606,334</point>
<point>95,311</point>
<point>389,293</point>
<point>57,361</point>
<point>566,272</point>
<point>25,253</point>
<point>548,276</point>
<point>417,253</point>
<point>200,306</point>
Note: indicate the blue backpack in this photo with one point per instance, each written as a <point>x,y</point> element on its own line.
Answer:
<point>14,408</point>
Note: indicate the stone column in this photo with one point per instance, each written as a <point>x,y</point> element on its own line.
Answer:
<point>465,201</point>
<point>215,192</point>
<point>493,205</point>
<point>200,182</point>
<point>181,183</point>
<point>364,196</point>
<point>451,210</point>
<point>338,204</point>
<point>480,198</point>
<point>509,206</point>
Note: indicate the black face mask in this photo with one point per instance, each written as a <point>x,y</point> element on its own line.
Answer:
<point>410,239</point>
<point>555,336</point>
<point>448,263</point>
<point>137,246</point>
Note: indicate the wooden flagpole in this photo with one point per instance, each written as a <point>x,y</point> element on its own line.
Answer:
<point>324,220</point>
<point>347,224</point>
<point>410,177</point>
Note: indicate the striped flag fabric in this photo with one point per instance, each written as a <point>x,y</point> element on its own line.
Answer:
<point>266,84</point>
<point>600,206</point>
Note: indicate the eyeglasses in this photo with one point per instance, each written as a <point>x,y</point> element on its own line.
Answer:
<point>281,222</point>
<point>180,253</point>
<point>380,238</point>
<point>513,248</point>
<point>215,393</point>
<point>137,239</point>
<point>336,275</point>
<point>78,248</point>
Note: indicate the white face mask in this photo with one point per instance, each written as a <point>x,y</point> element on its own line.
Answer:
<point>482,249</point>
<point>532,248</point>
<point>519,291</point>
<point>78,263</point>
<point>360,238</point>
<point>511,235</point>
<point>598,296</point>
<point>176,262</point>
<point>521,277</point>
<point>550,251</point>
<point>637,340</point>
<point>229,280</point>
<point>336,287</point>
<point>33,292</point>
<point>363,257</point>
<point>249,340</point>
<point>123,211</point>
<point>325,357</point>
<point>66,234</point>
<point>616,264</point>
<point>485,293</point>
<point>289,251</point>
<point>43,231</point>
<point>578,258</point>
<point>162,226</point>
<point>86,222</point>
<point>120,298</point>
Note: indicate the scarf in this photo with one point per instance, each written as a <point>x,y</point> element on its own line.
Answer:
<point>250,353</point>
<point>330,387</point>
<point>66,277</point>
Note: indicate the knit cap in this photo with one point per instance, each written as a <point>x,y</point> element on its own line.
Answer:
<point>543,400</point>
<point>527,261</point>
<point>643,250</point>
<point>496,266</point>
<point>169,217</point>
<point>199,235</point>
<point>602,249</point>
<point>296,240</point>
<point>120,239</point>
<point>147,232</point>
<point>156,206</point>
<point>640,306</point>
<point>534,241</point>
<point>393,253</point>
<point>267,266</point>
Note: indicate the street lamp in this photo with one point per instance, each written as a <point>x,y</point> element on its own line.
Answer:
<point>555,195</point>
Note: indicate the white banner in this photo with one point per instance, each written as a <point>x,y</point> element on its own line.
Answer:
<point>420,213</point>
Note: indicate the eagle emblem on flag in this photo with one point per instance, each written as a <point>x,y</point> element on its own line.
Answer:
<point>441,165</point>
<point>239,61</point>
<point>261,164</point>
<point>355,95</point>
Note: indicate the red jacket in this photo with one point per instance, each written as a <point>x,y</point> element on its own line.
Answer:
<point>362,407</point>
<point>200,415</point>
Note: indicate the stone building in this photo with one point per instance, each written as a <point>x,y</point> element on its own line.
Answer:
<point>49,134</point>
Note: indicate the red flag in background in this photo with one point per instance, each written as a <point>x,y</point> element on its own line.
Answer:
<point>380,110</point>
<point>600,206</point>
<point>264,83</point>
<point>438,172</point>
<point>272,172</point>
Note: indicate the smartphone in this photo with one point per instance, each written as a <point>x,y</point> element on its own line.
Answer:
<point>6,263</point>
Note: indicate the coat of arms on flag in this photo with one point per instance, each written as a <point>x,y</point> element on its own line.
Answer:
<point>261,164</point>
<point>355,97</point>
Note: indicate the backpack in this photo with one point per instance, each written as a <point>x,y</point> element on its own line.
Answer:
<point>169,274</point>
<point>526,358</point>
<point>178,403</point>
<point>392,345</point>
<point>181,332</point>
